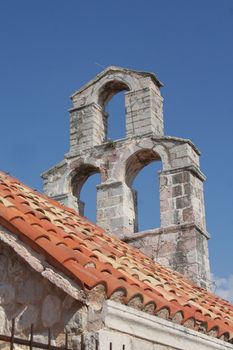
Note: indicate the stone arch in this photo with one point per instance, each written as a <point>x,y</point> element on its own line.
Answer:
<point>118,78</point>
<point>137,162</point>
<point>109,89</point>
<point>118,171</point>
<point>164,155</point>
<point>78,179</point>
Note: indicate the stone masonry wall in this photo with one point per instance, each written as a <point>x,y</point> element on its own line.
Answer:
<point>87,127</point>
<point>180,247</point>
<point>30,298</point>
<point>144,112</point>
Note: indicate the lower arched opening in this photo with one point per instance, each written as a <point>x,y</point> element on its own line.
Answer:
<point>142,177</point>
<point>84,183</point>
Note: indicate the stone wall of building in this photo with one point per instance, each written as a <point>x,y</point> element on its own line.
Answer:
<point>181,247</point>
<point>29,298</point>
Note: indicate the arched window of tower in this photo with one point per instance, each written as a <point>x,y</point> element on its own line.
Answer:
<point>112,101</point>
<point>83,184</point>
<point>146,187</point>
<point>88,196</point>
<point>115,114</point>
<point>142,178</point>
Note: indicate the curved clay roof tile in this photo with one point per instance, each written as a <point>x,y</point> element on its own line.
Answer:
<point>92,258</point>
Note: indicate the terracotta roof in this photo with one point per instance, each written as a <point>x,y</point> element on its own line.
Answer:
<point>84,252</point>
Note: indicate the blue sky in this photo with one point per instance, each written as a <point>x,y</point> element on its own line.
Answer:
<point>49,48</point>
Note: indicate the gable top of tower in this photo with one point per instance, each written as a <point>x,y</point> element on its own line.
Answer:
<point>86,254</point>
<point>112,71</point>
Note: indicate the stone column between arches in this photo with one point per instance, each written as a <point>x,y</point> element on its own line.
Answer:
<point>115,208</point>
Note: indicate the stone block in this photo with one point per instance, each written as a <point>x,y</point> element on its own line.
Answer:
<point>188,189</point>
<point>188,215</point>
<point>166,218</point>
<point>177,178</point>
<point>180,162</point>
<point>177,191</point>
<point>164,205</point>
<point>182,202</point>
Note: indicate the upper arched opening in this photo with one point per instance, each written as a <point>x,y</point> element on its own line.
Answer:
<point>112,101</point>
<point>108,90</point>
<point>110,81</point>
<point>93,114</point>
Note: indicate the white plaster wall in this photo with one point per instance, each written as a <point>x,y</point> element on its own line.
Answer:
<point>140,331</point>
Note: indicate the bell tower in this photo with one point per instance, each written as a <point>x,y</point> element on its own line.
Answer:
<point>181,241</point>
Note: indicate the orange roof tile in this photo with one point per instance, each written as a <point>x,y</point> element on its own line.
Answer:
<point>84,252</point>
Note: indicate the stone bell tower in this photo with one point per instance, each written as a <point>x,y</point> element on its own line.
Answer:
<point>181,241</point>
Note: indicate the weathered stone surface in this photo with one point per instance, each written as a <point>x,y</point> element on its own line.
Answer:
<point>2,321</point>
<point>27,317</point>
<point>36,301</point>
<point>42,337</point>
<point>51,311</point>
<point>181,247</point>
<point>29,290</point>
<point>182,202</point>
<point>177,191</point>
<point>77,322</point>
<point>7,293</point>
<point>3,270</point>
